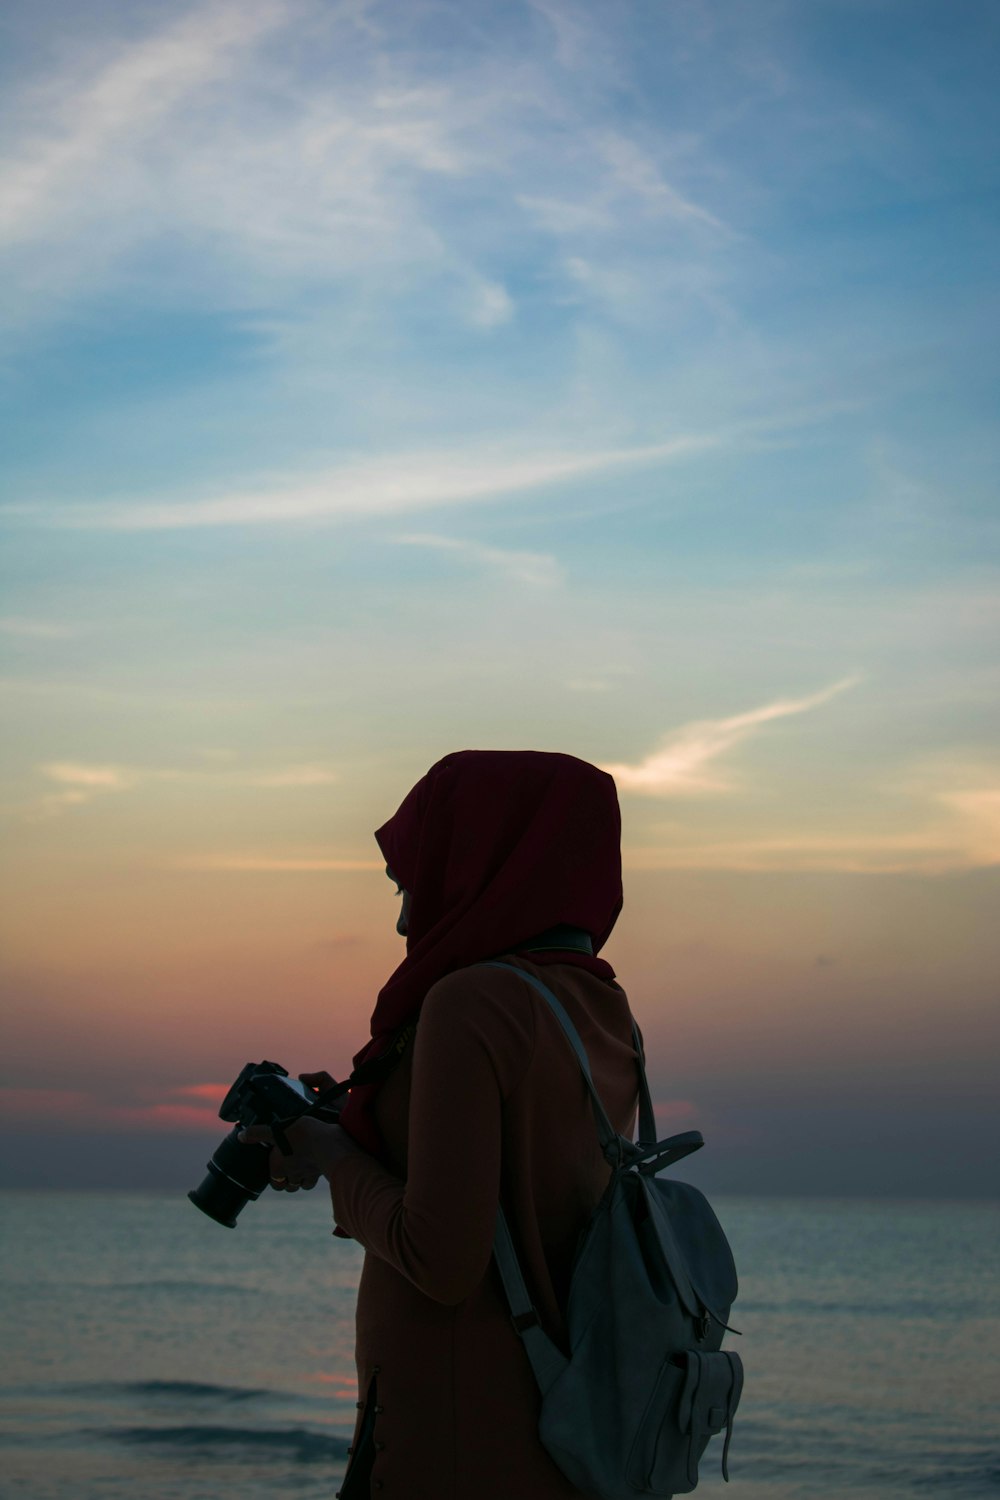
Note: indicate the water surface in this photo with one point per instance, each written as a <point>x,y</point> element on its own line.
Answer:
<point>150,1353</point>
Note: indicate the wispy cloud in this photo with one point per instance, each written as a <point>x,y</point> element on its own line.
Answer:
<point>48,806</point>
<point>281,175</point>
<point>204,129</point>
<point>635,173</point>
<point>307,775</point>
<point>978,809</point>
<point>23,1102</point>
<point>120,778</point>
<point>936,849</point>
<point>113,109</point>
<point>212,1093</point>
<point>668,1110</point>
<point>536,568</point>
<point>376,487</point>
<point>190,1107</point>
<point>90,778</point>
<point>574,40</point>
<point>225,776</point>
<point>950,828</point>
<point>81,783</point>
<point>492,305</point>
<point>87,690</point>
<point>276,864</point>
<point>36,629</point>
<point>681,764</point>
<point>920,852</point>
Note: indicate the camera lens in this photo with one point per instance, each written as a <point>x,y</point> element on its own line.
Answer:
<point>236,1174</point>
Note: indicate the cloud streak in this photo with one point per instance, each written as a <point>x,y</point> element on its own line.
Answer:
<point>90,778</point>
<point>121,778</point>
<point>192,1107</point>
<point>276,864</point>
<point>376,487</point>
<point>952,828</point>
<point>681,765</point>
<point>854,854</point>
<point>113,110</point>
<point>35,629</point>
<point>205,130</point>
<point>538,569</point>
<point>635,173</point>
<point>81,783</point>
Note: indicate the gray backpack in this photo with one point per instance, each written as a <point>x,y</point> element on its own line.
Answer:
<point>646,1384</point>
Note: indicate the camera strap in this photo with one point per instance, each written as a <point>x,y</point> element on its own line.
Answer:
<point>374,1070</point>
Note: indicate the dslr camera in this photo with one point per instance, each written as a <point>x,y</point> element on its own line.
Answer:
<point>263,1094</point>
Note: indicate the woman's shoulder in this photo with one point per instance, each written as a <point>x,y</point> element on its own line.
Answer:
<point>496,1009</point>
<point>488,981</point>
<point>480,1010</point>
<point>593,1002</point>
<point>509,988</point>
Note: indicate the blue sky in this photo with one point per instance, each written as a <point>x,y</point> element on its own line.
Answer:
<point>380,378</point>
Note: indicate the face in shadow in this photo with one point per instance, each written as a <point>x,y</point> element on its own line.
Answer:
<point>404,910</point>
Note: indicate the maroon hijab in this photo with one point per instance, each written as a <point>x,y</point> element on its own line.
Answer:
<point>495,847</point>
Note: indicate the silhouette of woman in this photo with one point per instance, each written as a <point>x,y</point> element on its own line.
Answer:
<point>468,1095</point>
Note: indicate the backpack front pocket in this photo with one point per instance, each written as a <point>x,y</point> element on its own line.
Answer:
<point>658,1419</point>
<point>709,1398</point>
<point>695,1396</point>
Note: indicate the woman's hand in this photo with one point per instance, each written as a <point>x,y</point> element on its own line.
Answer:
<point>319,1081</point>
<point>317,1147</point>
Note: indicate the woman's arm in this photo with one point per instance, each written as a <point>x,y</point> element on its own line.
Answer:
<point>473,1045</point>
<point>317,1148</point>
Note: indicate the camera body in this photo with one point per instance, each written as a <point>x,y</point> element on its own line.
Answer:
<point>263,1094</point>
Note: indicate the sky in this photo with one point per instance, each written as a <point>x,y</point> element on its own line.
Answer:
<point>380,379</point>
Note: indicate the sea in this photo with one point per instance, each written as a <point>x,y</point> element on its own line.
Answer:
<point>150,1353</point>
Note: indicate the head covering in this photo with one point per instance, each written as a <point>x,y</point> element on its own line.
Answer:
<point>495,847</point>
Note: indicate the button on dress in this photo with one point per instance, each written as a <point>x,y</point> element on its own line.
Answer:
<point>489,1103</point>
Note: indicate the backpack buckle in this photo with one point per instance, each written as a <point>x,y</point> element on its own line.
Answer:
<point>524,1321</point>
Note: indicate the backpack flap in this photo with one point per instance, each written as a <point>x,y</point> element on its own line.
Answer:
<point>664,1260</point>
<point>684,1230</point>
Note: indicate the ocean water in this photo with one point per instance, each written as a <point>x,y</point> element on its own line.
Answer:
<point>149,1353</point>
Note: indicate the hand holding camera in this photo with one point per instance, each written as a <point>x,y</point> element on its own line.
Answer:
<point>315,1148</point>
<point>286,1134</point>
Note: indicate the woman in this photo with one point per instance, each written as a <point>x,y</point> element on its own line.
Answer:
<point>496,853</point>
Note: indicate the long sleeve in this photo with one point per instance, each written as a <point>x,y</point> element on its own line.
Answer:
<point>473,1046</point>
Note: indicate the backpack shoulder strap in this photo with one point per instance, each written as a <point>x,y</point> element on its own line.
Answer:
<point>546,1359</point>
<point>609,1137</point>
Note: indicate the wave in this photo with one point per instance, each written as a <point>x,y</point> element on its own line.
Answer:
<point>287,1442</point>
<point>914,1307</point>
<point>182,1397</point>
<point>839,1453</point>
<point>973,1480</point>
<point>198,1389</point>
<point>202,1392</point>
<point>219,1288</point>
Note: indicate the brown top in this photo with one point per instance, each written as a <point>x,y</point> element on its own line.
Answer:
<point>490,1101</point>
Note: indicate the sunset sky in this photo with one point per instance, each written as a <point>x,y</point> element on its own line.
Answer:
<point>384,379</point>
